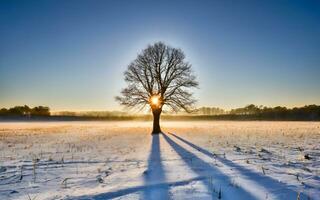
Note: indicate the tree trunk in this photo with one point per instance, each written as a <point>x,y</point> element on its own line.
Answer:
<point>156,121</point>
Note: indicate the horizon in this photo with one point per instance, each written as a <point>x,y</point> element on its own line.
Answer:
<point>71,55</point>
<point>147,112</point>
<point>225,109</point>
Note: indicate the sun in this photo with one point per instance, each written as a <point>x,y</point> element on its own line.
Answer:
<point>154,100</point>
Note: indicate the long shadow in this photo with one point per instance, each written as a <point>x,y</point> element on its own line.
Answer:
<point>126,191</point>
<point>275,187</point>
<point>219,179</point>
<point>155,173</point>
<point>155,185</point>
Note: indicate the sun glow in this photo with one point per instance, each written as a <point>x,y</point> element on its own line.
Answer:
<point>154,100</point>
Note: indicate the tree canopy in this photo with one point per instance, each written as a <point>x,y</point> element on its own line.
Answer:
<point>159,70</point>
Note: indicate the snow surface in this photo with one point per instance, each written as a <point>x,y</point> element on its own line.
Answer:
<point>190,160</point>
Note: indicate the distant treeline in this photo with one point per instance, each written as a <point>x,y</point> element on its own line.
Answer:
<point>91,113</point>
<point>210,111</point>
<point>25,111</point>
<point>253,112</point>
<point>250,112</point>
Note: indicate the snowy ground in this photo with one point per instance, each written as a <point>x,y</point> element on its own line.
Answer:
<point>191,160</point>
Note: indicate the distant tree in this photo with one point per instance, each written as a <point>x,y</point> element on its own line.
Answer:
<point>209,111</point>
<point>251,109</point>
<point>158,77</point>
<point>3,111</point>
<point>19,110</point>
<point>40,111</point>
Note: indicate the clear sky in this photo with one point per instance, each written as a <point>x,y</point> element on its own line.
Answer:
<point>71,55</point>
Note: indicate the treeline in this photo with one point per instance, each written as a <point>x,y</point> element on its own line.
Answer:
<point>209,111</point>
<point>25,111</point>
<point>253,112</point>
<point>308,112</point>
<point>91,113</point>
<point>250,112</point>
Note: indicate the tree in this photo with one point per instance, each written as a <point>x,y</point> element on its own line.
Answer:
<point>159,77</point>
<point>40,111</point>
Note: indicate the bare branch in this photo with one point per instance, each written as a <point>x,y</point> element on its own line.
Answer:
<point>159,70</point>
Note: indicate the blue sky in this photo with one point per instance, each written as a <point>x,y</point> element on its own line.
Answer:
<point>71,55</point>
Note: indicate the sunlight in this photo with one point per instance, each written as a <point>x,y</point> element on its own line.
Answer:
<point>154,100</point>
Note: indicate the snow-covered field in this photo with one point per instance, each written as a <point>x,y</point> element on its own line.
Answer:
<point>191,160</point>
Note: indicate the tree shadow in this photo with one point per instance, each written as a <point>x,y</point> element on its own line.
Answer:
<point>155,173</point>
<point>131,190</point>
<point>218,179</point>
<point>274,187</point>
<point>155,185</point>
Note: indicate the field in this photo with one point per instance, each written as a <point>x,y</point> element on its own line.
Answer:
<point>190,160</point>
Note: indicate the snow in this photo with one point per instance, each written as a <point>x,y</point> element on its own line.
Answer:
<point>190,160</point>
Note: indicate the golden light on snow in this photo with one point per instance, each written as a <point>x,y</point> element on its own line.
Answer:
<point>154,100</point>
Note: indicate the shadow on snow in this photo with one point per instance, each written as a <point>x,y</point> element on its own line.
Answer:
<point>155,173</point>
<point>219,179</point>
<point>156,187</point>
<point>274,187</point>
<point>131,190</point>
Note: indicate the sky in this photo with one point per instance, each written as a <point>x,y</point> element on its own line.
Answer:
<point>71,55</point>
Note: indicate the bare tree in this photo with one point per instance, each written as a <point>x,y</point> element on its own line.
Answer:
<point>159,77</point>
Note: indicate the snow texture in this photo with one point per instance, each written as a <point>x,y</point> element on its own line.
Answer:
<point>190,160</point>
